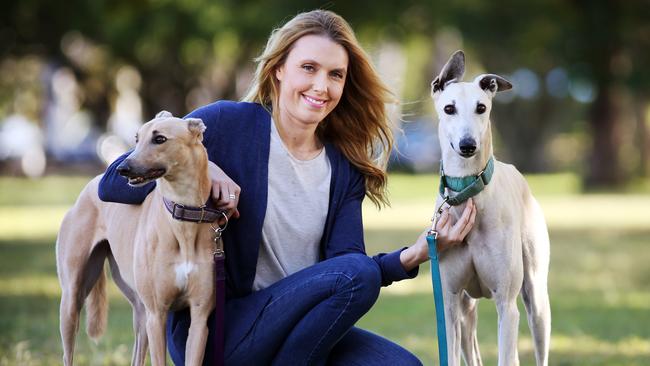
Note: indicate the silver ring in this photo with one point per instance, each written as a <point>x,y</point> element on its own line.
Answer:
<point>232,196</point>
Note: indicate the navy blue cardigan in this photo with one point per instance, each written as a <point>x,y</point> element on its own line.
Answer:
<point>237,139</point>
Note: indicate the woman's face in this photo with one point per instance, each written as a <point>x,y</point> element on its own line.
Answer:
<point>311,80</point>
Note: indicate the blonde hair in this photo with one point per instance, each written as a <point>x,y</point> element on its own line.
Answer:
<point>359,125</point>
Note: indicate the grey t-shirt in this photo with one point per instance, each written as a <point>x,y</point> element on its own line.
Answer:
<point>295,213</point>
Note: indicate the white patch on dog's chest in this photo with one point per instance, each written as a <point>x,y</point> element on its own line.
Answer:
<point>183,271</point>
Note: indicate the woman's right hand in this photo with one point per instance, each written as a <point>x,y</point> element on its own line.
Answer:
<point>225,192</point>
<point>449,234</point>
<point>453,233</point>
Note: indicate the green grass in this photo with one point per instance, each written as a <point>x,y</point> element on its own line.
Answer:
<point>599,280</point>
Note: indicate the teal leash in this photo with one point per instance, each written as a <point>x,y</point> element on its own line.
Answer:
<point>432,241</point>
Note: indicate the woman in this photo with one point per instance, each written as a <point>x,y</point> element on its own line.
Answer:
<point>302,150</point>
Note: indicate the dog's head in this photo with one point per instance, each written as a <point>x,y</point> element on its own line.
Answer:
<point>163,146</point>
<point>464,107</point>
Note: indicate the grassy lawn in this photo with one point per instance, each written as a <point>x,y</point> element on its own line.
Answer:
<point>599,281</point>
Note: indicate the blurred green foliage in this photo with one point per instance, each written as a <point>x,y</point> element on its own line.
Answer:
<point>191,52</point>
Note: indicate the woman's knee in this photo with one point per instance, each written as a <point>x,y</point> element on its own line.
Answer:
<point>363,274</point>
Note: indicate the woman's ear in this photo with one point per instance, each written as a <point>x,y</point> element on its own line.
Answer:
<point>279,72</point>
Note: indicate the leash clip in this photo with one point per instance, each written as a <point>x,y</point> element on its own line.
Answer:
<point>433,233</point>
<point>436,216</point>
<point>218,232</point>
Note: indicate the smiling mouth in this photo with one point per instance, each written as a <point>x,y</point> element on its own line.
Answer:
<point>314,102</point>
<point>148,176</point>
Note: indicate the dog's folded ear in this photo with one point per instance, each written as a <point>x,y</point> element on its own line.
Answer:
<point>164,114</point>
<point>452,72</point>
<point>196,127</point>
<point>492,83</point>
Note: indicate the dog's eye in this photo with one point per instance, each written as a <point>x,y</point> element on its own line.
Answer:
<point>450,109</point>
<point>159,139</point>
<point>480,108</point>
<point>136,138</point>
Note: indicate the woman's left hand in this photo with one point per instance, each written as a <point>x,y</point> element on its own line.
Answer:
<point>225,192</point>
<point>449,234</point>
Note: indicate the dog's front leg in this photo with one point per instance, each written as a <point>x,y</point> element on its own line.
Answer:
<point>508,328</point>
<point>469,321</point>
<point>197,334</point>
<point>453,325</point>
<point>156,320</point>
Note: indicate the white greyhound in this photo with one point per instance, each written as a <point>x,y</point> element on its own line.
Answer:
<point>507,251</point>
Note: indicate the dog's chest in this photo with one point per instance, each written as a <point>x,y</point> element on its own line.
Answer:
<point>183,271</point>
<point>489,254</point>
<point>179,259</point>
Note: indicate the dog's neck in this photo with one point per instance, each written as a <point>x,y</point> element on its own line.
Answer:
<point>191,185</point>
<point>457,166</point>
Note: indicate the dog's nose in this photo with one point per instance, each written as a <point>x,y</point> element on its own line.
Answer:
<point>467,146</point>
<point>124,168</point>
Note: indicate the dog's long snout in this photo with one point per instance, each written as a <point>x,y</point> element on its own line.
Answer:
<point>124,169</point>
<point>467,146</point>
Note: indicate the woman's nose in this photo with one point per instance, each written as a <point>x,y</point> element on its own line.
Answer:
<point>320,83</point>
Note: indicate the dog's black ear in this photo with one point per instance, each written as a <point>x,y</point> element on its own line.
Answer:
<point>452,71</point>
<point>164,114</point>
<point>492,83</point>
<point>196,127</point>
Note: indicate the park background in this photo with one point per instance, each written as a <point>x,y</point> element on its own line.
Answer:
<point>77,78</point>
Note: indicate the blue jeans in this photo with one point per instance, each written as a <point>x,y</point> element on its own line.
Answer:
<point>309,320</point>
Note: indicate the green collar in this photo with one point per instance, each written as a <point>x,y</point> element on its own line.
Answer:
<point>465,186</point>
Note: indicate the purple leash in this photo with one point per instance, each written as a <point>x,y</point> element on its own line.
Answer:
<point>220,292</point>
<point>220,276</point>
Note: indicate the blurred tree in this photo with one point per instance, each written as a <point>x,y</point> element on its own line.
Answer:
<point>190,52</point>
<point>611,40</point>
<point>595,41</point>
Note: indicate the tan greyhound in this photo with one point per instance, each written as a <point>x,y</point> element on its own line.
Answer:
<point>507,251</point>
<point>159,263</point>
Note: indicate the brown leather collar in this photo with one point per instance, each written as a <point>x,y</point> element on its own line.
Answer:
<point>193,214</point>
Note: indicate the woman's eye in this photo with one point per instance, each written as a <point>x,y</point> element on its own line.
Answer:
<point>337,75</point>
<point>309,68</point>
<point>159,139</point>
<point>450,109</point>
<point>480,108</point>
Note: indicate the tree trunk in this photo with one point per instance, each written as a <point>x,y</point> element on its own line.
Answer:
<point>604,168</point>
<point>643,136</point>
